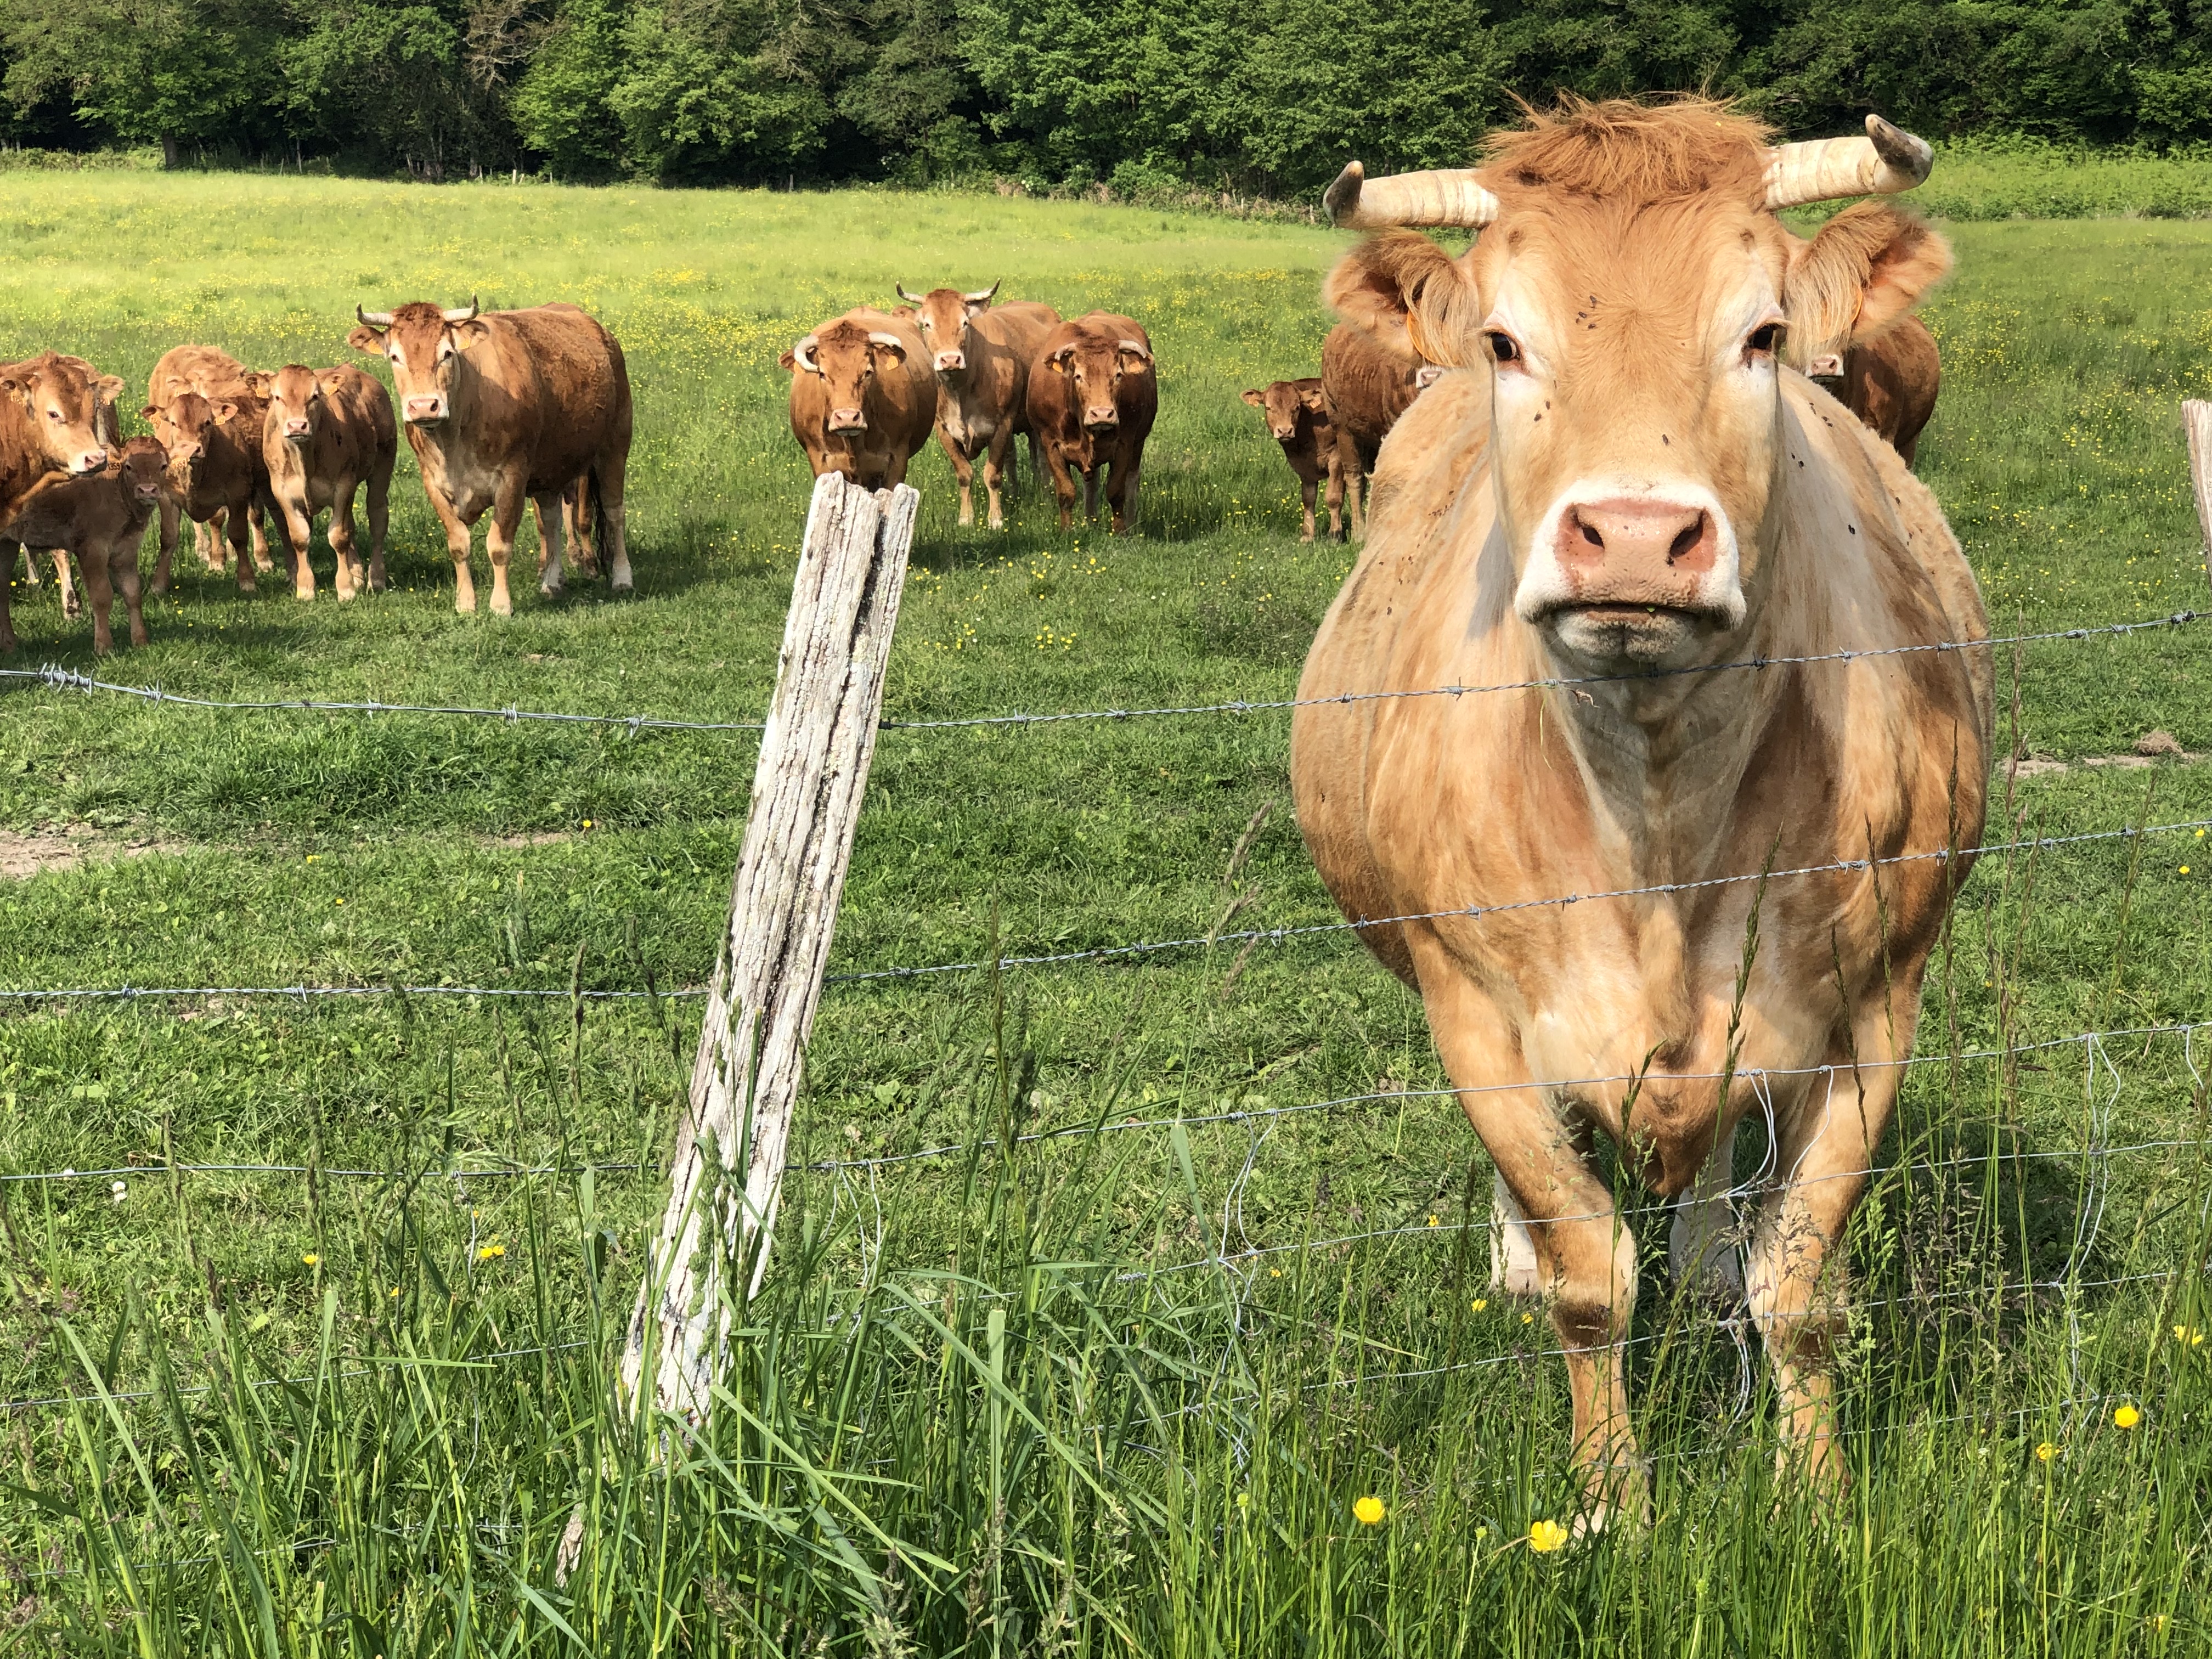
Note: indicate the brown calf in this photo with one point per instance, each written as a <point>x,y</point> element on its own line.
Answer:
<point>99,518</point>
<point>981,355</point>
<point>1092,398</point>
<point>1890,382</point>
<point>863,398</point>
<point>1300,419</point>
<point>1370,376</point>
<point>215,375</point>
<point>215,472</point>
<point>50,422</point>
<point>511,406</point>
<point>327,433</point>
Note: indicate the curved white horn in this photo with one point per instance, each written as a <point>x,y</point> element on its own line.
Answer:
<point>1887,161</point>
<point>982,298</point>
<point>882,338</point>
<point>911,299</point>
<point>1450,196</point>
<point>1137,347</point>
<point>462,314</point>
<point>373,319</point>
<point>803,354</point>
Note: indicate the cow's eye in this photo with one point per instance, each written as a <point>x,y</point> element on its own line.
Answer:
<point>1763,339</point>
<point>1502,346</point>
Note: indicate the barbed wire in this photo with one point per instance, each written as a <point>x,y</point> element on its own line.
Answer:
<point>56,677</point>
<point>489,1172</point>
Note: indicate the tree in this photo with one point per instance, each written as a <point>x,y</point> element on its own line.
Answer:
<point>170,72</point>
<point>564,107</point>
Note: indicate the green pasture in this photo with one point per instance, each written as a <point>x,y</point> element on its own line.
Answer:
<point>1004,1401</point>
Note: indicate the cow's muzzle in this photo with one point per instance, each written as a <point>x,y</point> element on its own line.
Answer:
<point>1106,419</point>
<point>951,363</point>
<point>89,460</point>
<point>425,411</point>
<point>1828,368</point>
<point>1630,580</point>
<point>296,431</point>
<point>847,420</point>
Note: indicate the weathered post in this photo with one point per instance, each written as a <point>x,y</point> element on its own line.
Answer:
<point>2196,421</point>
<point>807,787</point>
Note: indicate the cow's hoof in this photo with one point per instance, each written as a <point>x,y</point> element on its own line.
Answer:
<point>624,585</point>
<point>464,607</point>
<point>502,607</point>
<point>549,590</point>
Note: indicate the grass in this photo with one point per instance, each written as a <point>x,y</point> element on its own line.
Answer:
<point>1002,1401</point>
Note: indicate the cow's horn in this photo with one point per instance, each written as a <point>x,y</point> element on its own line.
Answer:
<point>911,299</point>
<point>1450,196</point>
<point>1887,161</point>
<point>373,319</point>
<point>462,314</point>
<point>983,297</point>
<point>883,337</point>
<point>803,354</point>
<point>1137,347</point>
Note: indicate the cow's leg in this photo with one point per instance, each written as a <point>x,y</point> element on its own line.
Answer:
<point>262,560</point>
<point>209,542</point>
<point>1063,485</point>
<point>457,543</point>
<point>550,510</point>
<point>93,567</point>
<point>296,523</point>
<point>499,541</point>
<point>7,551</point>
<point>170,513</point>
<point>380,521</point>
<point>1355,479</point>
<point>1512,1248</point>
<point>344,545</point>
<point>1091,490</point>
<point>1585,1257</point>
<point>72,606</point>
<point>30,559</point>
<point>963,474</point>
<point>1308,488</point>
<point>1701,1244</point>
<point>235,538</point>
<point>995,475</point>
<point>1122,495</point>
<point>582,549</point>
<point>122,563</point>
<point>609,478</point>
<point>1334,495</point>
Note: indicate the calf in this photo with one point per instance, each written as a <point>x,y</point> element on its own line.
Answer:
<point>508,406</point>
<point>1853,331</point>
<point>1300,419</point>
<point>863,398</point>
<point>99,518</point>
<point>216,472</point>
<point>108,428</point>
<point>327,433</point>
<point>1370,376</point>
<point>1889,382</point>
<point>1092,398</point>
<point>50,422</point>
<point>981,355</point>
<point>215,375</point>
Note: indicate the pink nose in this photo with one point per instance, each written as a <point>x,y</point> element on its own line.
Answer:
<point>1100,417</point>
<point>1828,365</point>
<point>847,420</point>
<point>1616,547</point>
<point>90,461</point>
<point>952,360</point>
<point>294,428</point>
<point>426,409</point>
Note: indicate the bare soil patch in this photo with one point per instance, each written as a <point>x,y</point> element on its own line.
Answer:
<point>43,851</point>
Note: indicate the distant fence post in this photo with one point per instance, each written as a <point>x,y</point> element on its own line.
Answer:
<point>2196,421</point>
<point>807,787</point>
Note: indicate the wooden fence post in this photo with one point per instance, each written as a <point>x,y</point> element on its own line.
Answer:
<point>807,787</point>
<point>2196,421</point>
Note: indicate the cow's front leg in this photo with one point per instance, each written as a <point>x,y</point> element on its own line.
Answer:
<point>1122,494</point>
<point>210,541</point>
<point>170,513</point>
<point>1091,490</point>
<point>1355,477</point>
<point>72,606</point>
<point>1585,1254</point>
<point>1063,485</point>
<point>963,474</point>
<point>1333,495</point>
<point>1702,1251</point>
<point>1308,491</point>
<point>351,577</point>
<point>102,595</point>
<point>550,510</point>
<point>298,527</point>
<point>995,471</point>
<point>457,543</point>
<point>235,538</point>
<point>122,563</point>
<point>262,560</point>
<point>499,542</point>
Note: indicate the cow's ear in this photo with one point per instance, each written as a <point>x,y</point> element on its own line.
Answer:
<point>257,382</point>
<point>1864,271</point>
<point>149,411</point>
<point>365,338</point>
<point>469,334</point>
<point>789,362</point>
<point>110,387</point>
<point>1400,281</point>
<point>1257,399</point>
<point>1314,399</point>
<point>225,411</point>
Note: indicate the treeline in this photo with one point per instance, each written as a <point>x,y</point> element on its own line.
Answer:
<point>1264,97</point>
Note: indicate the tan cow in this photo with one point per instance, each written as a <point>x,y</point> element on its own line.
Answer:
<point>981,355</point>
<point>327,433</point>
<point>1371,375</point>
<point>216,470</point>
<point>108,428</point>
<point>1300,418</point>
<point>1624,485</point>
<point>50,422</point>
<point>1093,395</point>
<point>215,375</point>
<point>863,398</point>
<point>508,406</point>
<point>100,520</point>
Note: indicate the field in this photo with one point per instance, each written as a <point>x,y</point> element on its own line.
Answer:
<point>343,1387</point>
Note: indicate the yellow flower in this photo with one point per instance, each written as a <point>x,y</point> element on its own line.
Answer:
<point>2127,1417</point>
<point>1370,1512</point>
<point>2045,1452</point>
<point>2184,869</point>
<point>1274,1272</point>
<point>1481,1303</point>
<point>395,1292</point>
<point>587,823</point>
<point>341,901</point>
<point>1432,1221</point>
<point>1545,1536</point>
<point>2189,1335</point>
<point>491,1250</point>
<point>311,1260</point>
<point>1528,1319</point>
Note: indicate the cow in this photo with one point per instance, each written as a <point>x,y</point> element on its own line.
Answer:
<point>1300,418</point>
<point>1371,375</point>
<point>981,355</point>
<point>1620,491</point>
<point>863,397</point>
<point>100,520</point>
<point>107,427</point>
<point>1875,355</point>
<point>215,375</point>
<point>1093,395</point>
<point>216,470</point>
<point>50,421</point>
<point>505,406</point>
<point>327,433</point>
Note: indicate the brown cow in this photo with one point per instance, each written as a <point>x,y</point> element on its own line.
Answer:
<point>1371,375</point>
<point>1300,420</point>
<point>107,427</point>
<point>1623,489</point>
<point>215,375</point>
<point>506,406</point>
<point>100,520</point>
<point>1093,395</point>
<point>981,355</point>
<point>50,421</point>
<point>1870,351</point>
<point>328,432</point>
<point>216,470</point>
<point>1890,382</point>
<point>863,398</point>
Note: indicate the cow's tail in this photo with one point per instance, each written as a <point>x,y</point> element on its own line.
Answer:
<point>588,515</point>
